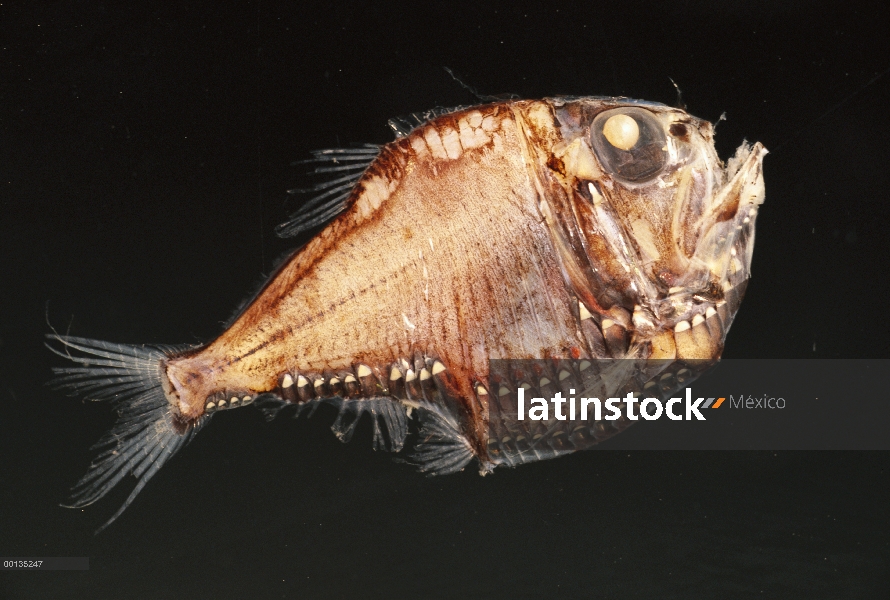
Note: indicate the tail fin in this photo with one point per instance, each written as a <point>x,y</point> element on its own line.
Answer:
<point>145,435</point>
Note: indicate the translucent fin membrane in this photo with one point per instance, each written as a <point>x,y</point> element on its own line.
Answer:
<point>389,418</point>
<point>331,196</point>
<point>441,448</point>
<point>144,437</point>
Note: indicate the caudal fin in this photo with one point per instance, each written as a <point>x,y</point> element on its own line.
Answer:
<point>145,434</point>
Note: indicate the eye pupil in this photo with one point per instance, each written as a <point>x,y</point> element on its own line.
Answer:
<point>621,131</point>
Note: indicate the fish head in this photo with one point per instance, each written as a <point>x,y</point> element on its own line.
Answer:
<point>657,224</point>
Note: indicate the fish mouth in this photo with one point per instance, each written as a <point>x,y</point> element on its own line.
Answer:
<point>718,270</point>
<point>665,250</point>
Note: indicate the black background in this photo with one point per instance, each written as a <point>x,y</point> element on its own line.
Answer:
<point>144,153</point>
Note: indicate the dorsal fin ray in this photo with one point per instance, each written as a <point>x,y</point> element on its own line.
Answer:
<point>331,196</point>
<point>347,165</point>
<point>404,125</point>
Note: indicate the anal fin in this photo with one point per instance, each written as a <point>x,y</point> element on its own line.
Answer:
<point>389,420</point>
<point>441,448</point>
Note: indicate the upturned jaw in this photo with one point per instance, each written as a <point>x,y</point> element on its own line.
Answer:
<point>727,241</point>
<point>648,240</point>
<point>721,263</point>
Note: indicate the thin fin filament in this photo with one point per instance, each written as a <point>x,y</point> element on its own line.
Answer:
<point>144,436</point>
<point>332,195</point>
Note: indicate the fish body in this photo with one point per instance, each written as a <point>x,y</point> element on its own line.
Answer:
<point>572,231</point>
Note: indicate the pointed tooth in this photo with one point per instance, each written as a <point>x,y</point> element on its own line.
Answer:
<point>697,320</point>
<point>710,312</point>
<point>363,371</point>
<point>287,381</point>
<point>395,374</point>
<point>582,310</point>
<point>681,326</point>
<point>438,367</point>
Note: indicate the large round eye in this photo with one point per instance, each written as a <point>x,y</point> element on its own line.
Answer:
<point>629,143</point>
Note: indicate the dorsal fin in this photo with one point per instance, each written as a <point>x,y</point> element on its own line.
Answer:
<point>345,166</point>
<point>404,125</point>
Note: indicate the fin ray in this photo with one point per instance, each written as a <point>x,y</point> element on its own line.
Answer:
<point>403,125</point>
<point>144,436</point>
<point>441,448</point>
<point>389,420</point>
<point>334,193</point>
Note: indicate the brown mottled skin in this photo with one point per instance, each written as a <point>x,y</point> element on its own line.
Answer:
<point>460,260</point>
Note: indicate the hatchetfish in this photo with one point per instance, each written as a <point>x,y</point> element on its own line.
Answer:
<point>567,231</point>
